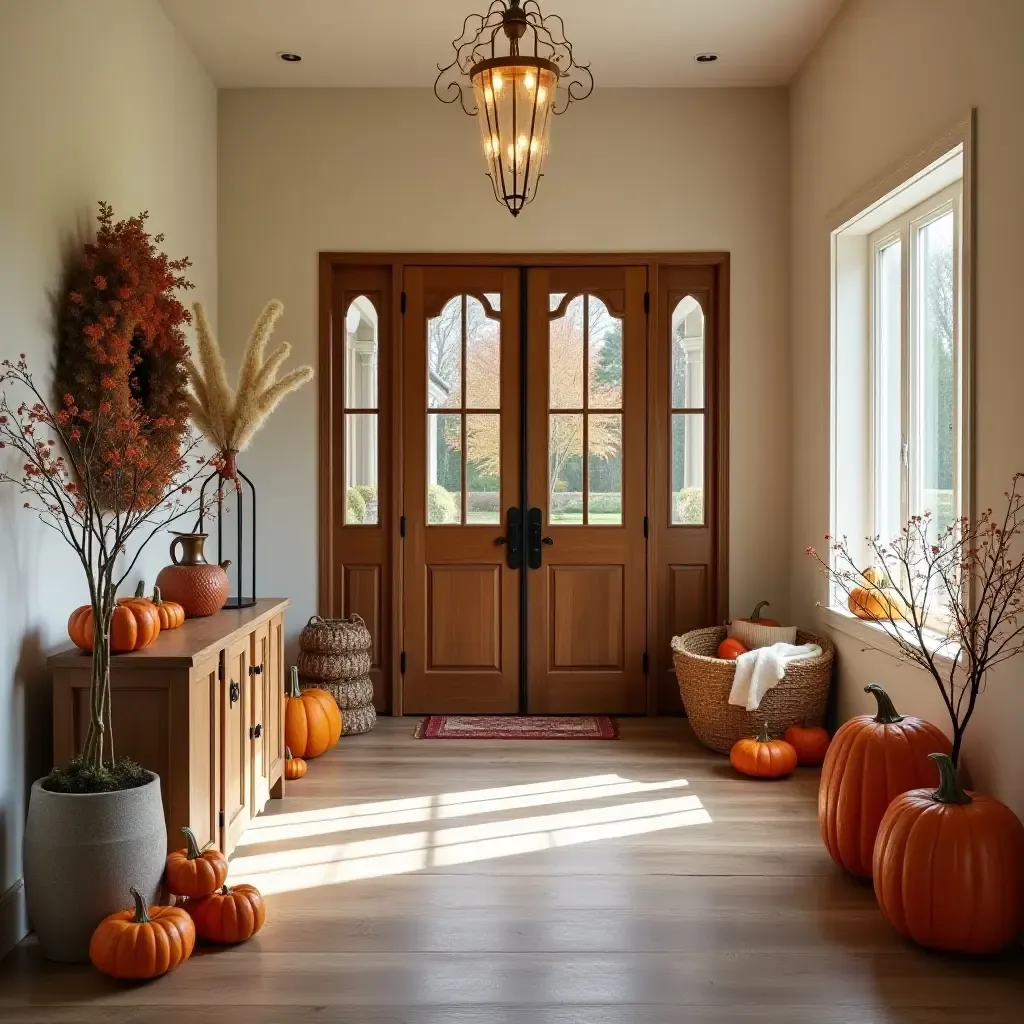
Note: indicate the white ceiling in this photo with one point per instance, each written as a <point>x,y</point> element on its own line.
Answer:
<point>399,42</point>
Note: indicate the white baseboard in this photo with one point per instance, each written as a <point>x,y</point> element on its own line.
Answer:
<point>13,919</point>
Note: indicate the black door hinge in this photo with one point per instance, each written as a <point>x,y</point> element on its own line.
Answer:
<point>647,526</point>
<point>220,818</point>
<point>220,670</point>
<point>401,663</point>
<point>402,304</point>
<point>645,663</point>
<point>647,302</point>
<point>401,526</point>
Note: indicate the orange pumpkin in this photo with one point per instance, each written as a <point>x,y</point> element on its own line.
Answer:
<point>170,613</point>
<point>294,767</point>
<point>142,943</point>
<point>755,616</point>
<point>229,914</point>
<point>312,721</point>
<point>949,867</point>
<point>193,872</point>
<point>133,625</point>
<point>871,760</point>
<point>762,756</point>
<point>875,603</point>
<point>730,649</point>
<point>809,741</point>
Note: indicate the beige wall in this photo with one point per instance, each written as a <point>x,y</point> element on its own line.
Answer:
<point>891,74</point>
<point>100,100</point>
<point>309,170</point>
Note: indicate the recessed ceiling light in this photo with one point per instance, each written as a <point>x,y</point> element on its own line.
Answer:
<point>290,58</point>
<point>705,58</point>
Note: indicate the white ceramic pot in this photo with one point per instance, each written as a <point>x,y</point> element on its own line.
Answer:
<point>83,851</point>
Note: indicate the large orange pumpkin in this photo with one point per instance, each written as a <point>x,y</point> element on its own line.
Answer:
<point>809,741</point>
<point>762,756</point>
<point>193,872</point>
<point>229,915</point>
<point>870,761</point>
<point>133,625</point>
<point>312,721</point>
<point>949,867</point>
<point>142,943</point>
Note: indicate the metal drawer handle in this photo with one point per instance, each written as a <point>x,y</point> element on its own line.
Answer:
<point>234,692</point>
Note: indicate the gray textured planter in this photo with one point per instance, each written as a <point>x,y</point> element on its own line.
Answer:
<point>82,853</point>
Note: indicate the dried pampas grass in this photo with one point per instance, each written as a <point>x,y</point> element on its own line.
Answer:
<point>230,418</point>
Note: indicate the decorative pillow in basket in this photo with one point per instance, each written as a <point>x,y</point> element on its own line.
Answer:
<point>758,632</point>
<point>706,680</point>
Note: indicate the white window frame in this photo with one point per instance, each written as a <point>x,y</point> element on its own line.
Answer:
<point>906,229</point>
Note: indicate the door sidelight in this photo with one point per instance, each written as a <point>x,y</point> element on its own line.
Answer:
<point>513,537</point>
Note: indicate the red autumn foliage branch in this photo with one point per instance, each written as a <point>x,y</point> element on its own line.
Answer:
<point>959,595</point>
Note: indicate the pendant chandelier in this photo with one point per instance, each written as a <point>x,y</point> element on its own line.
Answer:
<point>513,70</point>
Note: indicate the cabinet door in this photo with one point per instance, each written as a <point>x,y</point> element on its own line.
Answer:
<point>258,723</point>
<point>204,755</point>
<point>273,714</point>
<point>236,749</point>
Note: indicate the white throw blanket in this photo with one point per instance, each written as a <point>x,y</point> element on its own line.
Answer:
<point>759,670</point>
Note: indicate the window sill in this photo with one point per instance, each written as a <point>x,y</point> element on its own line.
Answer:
<point>872,635</point>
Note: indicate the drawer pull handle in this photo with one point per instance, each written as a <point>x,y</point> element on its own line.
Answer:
<point>258,731</point>
<point>234,692</point>
<point>256,670</point>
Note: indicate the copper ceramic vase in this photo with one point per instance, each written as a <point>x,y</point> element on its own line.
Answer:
<point>199,587</point>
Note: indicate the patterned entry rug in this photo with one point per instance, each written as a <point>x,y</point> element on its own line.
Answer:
<point>517,727</point>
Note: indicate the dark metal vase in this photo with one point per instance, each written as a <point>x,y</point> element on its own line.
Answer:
<point>231,485</point>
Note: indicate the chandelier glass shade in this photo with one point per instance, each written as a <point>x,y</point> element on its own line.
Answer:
<point>514,71</point>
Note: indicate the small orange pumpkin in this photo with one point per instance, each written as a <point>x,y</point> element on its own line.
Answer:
<point>133,625</point>
<point>949,867</point>
<point>870,761</point>
<point>229,915</point>
<point>312,721</point>
<point>294,767</point>
<point>193,872</point>
<point>763,757</point>
<point>755,616</point>
<point>142,943</point>
<point>809,741</point>
<point>170,613</point>
<point>875,600</point>
<point>730,649</point>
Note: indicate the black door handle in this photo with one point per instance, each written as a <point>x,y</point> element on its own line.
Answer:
<point>513,538</point>
<point>546,540</point>
<point>533,538</point>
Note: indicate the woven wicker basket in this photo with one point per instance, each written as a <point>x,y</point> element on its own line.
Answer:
<point>333,667</point>
<point>334,636</point>
<point>358,720</point>
<point>705,681</point>
<point>347,693</point>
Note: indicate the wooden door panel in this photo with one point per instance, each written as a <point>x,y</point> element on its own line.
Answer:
<point>688,589</point>
<point>363,597</point>
<point>235,746</point>
<point>586,440</point>
<point>259,730</point>
<point>586,617</point>
<point>462,455</point>
<point>204,761</point>
<point>464,610</point>
<point>273,681</point>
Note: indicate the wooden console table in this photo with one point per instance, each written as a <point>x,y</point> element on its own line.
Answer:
<point>202,707</point>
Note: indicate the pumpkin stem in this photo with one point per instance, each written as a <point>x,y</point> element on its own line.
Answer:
<point>141,914</point>
<point>293,685</point>
<point>194,853</point>
<point>762,736</point>
<point>288,754</point>
<point>950,791</point>
<point>157,596</point>
<point>224,890</point>
<point>755,615</point>
<point>887,713</point>
<point>140,590</point>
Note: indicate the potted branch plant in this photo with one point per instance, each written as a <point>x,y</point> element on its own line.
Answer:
<point>107,465</point>
<point>950,599</point>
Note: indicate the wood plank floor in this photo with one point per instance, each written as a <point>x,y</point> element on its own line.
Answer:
<point>450,882</point>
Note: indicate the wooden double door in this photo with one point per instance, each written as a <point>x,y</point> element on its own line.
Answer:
<point>525,483</point>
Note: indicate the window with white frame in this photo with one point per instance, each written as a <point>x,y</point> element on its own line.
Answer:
<point>899,358</point>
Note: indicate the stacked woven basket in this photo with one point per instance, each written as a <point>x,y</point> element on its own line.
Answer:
<point>334,654</point>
